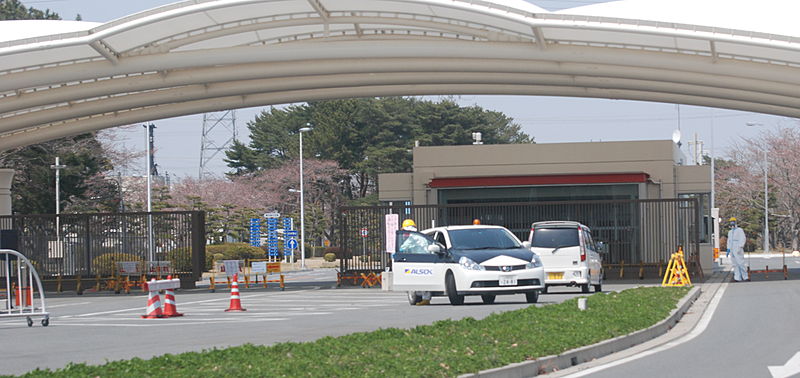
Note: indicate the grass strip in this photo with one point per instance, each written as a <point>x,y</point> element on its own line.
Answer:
<point>445,348</point>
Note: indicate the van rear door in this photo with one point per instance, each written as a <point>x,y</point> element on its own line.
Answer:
<point>557,246</point>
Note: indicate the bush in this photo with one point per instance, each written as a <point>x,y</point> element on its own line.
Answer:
<point>330,257</point>
<point>232,251</point>
<point>336,252</point>
<point>105,265</point>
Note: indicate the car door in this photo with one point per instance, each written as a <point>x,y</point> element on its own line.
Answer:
<point>593,256</point>
<point>414,267</point>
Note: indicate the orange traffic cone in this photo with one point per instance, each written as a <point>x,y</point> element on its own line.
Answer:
<point>170,307</point>
<point>153,306</point>
<point>236,302</point>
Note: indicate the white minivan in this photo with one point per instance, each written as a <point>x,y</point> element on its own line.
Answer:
<point>568,253</point>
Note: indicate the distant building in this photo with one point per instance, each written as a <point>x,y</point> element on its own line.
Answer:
<point>549,172</point>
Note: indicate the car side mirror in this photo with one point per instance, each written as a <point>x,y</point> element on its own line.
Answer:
<point>601,247</point>
<point>435,248</point>
<point>526,244</point>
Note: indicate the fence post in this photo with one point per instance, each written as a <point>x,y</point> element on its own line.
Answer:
<point>198,249</point>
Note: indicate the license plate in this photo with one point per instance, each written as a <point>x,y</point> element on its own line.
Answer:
<point>555,276</point>
<point>508,281</point>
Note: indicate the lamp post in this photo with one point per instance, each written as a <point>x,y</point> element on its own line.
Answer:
<point>766,196</point>
<point>58,167</point>
<point>302,203</point>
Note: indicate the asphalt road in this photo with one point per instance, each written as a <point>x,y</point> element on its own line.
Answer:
<point>754,326</point>
<point>95,329</point>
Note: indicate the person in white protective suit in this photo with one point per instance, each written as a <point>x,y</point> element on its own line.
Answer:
<point>736,240</point>
<point>413,245</point>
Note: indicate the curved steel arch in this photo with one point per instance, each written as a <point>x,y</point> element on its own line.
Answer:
<point>199,56</point>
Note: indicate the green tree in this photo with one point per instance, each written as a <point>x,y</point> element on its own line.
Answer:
<point>15,10</point>
<point>367,136</point>
<point>33,188</point>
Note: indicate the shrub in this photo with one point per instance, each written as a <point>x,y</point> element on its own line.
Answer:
<point>330,257</point>
<point>232,251</point>
<point>105,265</point>
<point>335,250</point>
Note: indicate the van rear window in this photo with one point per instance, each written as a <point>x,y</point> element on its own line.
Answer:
<point>555,237</point>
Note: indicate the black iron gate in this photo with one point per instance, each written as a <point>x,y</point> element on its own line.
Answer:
<point>636,231</point>
<point>89,245</point>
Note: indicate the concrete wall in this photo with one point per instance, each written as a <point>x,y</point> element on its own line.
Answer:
<point>394,187</point>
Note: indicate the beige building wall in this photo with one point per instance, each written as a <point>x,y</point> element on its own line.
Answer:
<point>660,159</point>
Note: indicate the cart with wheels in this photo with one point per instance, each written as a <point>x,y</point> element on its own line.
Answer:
<point>22,286</point>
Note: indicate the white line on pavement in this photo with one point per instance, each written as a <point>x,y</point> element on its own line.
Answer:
<point>698,329</point>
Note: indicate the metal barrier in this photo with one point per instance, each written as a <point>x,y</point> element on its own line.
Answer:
<point>637,232</point>
<point>72,247</point>
<point>20,288</point>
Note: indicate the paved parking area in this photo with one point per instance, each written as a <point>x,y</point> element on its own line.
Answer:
<point>95,329</point>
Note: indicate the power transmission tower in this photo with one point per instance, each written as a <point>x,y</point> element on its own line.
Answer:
<point>225,123</point>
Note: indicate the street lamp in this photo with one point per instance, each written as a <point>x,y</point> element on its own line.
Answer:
<point>302,203</point>
<point>58,167</point>
<point>766,197</point>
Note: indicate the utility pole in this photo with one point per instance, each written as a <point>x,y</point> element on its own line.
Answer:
<point>58,167</point>
<point>150,168</point>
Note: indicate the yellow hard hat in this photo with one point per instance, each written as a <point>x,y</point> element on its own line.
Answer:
<point>733,219</point>
<point>409,223</point>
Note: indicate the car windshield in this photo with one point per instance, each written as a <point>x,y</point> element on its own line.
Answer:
<point>483,238</point>
<point>555,237</point>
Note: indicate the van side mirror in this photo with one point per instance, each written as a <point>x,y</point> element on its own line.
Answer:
<point>526,244</point>
<point>601,247</point>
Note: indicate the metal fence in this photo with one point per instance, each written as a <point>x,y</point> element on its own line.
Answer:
<point>636,231</point>
<point>88,245</point>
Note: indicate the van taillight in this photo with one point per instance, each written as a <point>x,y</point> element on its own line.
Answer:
<point>583,247</point>
<point>530,237</point>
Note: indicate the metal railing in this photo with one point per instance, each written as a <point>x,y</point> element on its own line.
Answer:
<point>635,231</point>
<point>89,245</point>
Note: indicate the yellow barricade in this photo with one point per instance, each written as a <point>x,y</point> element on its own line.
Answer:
<point>676,274</point>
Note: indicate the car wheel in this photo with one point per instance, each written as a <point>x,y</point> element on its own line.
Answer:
<point>532,296</point>
<point>585,288</point>
<point>413,298</point>
<point>488,298</point>
<point>599,287</point>
<point>452,293</point>
<point>544,289</point>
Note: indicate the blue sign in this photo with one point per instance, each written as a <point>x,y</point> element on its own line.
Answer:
<point>290,234</point>
<point>291,244</point>
<point>255,232</point>
<point>272,236</point>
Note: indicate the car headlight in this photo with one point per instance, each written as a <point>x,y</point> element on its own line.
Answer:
<point>535,263</point>
<point>468,264</point>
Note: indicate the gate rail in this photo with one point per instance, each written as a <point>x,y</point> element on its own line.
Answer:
<point>24,295</point>
<point>637,232</point>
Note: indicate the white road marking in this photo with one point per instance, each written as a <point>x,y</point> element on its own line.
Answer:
<point>67,304</point>
<point>788,369</point>
<point>698,329</point>
<point>173,324</point>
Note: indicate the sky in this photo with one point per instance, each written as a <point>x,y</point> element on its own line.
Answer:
<point>547,119</point>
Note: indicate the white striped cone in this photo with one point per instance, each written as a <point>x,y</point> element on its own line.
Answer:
<point>236,302</point>
<point>170,307</point>
<point>153,310</point>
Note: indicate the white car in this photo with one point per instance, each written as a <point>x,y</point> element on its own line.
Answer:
<point>465,260</point>
<point>569,254</point>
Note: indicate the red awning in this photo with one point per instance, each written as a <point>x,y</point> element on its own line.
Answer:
<point>580,179</point>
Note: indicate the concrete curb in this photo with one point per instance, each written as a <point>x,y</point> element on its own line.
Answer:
<point>583,354</point>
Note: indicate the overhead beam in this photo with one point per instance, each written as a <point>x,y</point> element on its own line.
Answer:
<point>107,52</point>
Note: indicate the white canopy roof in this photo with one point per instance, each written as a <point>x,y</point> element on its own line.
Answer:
<point>65,77</point>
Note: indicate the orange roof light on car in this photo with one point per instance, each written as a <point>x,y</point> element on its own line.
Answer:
<point>476,222</point>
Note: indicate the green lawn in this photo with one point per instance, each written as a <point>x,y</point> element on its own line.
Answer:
<point>445,348</point>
